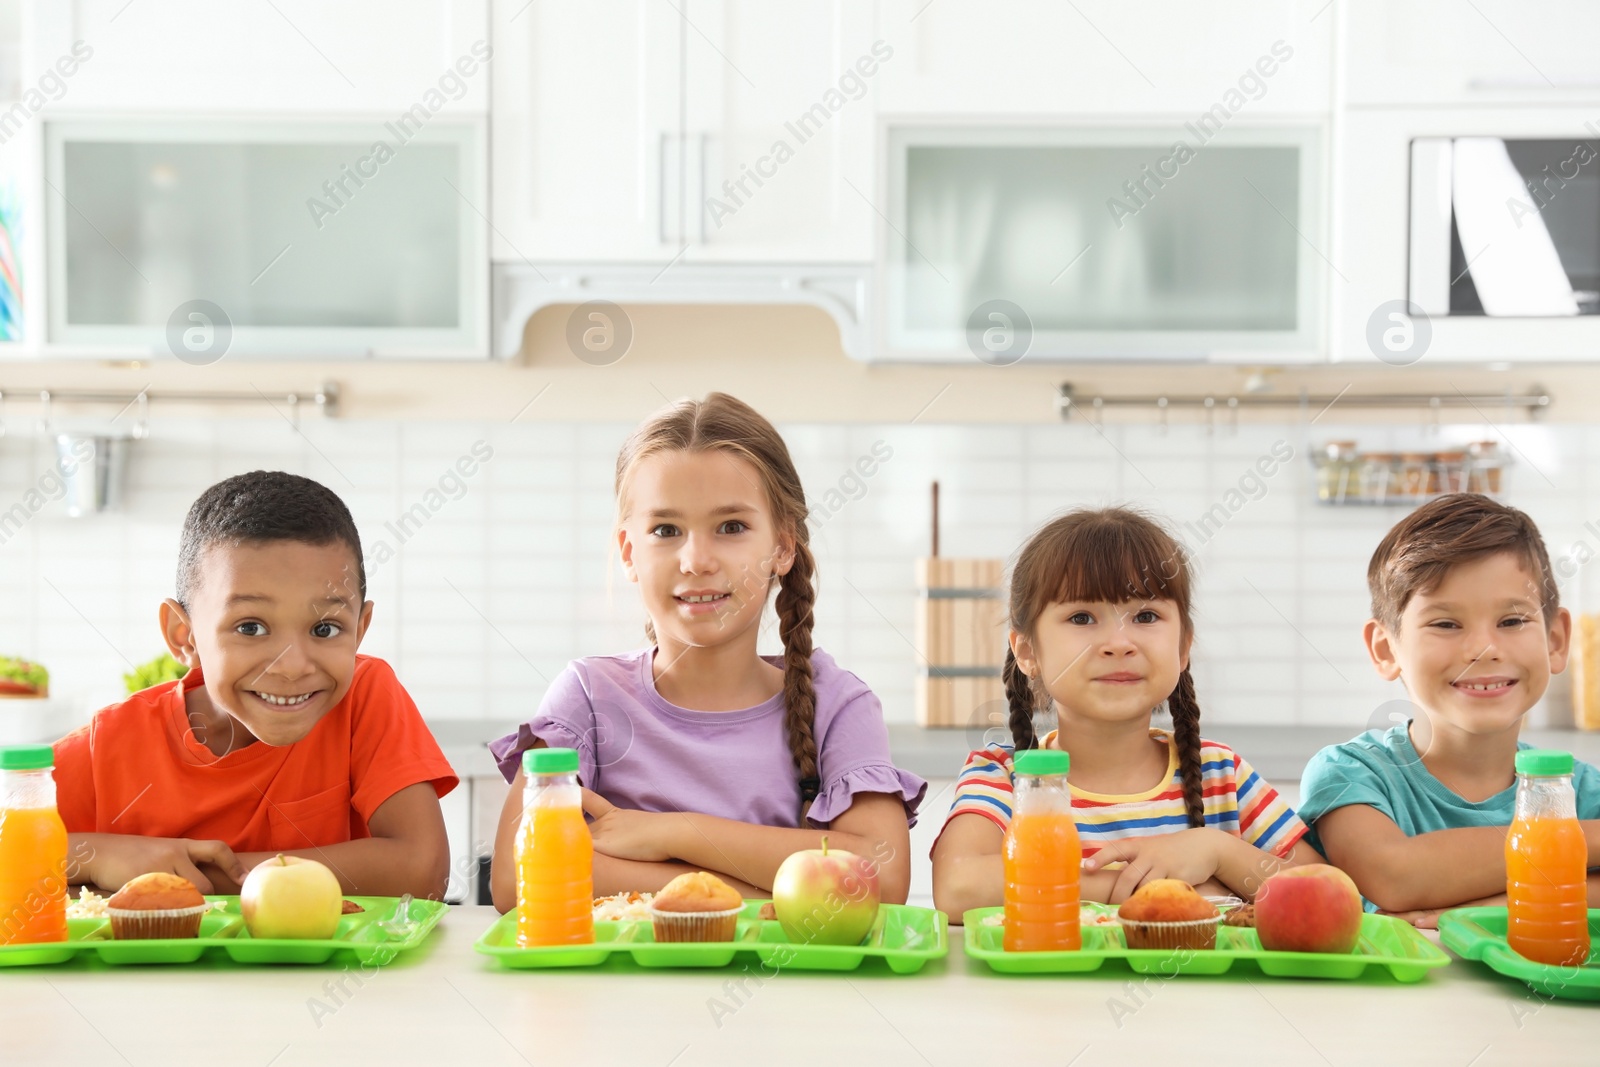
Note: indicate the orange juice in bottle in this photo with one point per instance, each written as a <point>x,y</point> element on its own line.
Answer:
<point>1546,864</point>
<point>1042,858</point>
<point>33,849</point>
<point>555,854</point>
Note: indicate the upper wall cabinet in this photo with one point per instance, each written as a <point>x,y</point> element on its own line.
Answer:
<point>1487,52</point>
<point>721,130</point>
<point>1101,56</point>
<point>584,117</point>
<point>296,237</point>
<point>777,142</point>
<point>247,56</point>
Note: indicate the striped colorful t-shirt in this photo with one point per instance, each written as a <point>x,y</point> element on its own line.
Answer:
<point>1237,800</point>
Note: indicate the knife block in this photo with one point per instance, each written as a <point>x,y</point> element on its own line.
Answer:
<point>961,641</point>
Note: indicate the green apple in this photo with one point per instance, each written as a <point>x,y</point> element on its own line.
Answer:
<point>826,897</point>
<point>291,897</point>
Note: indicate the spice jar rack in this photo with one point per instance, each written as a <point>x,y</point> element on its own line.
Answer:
<point>1347,476</point>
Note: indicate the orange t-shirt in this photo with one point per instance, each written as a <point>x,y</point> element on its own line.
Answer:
<point>138,769</point>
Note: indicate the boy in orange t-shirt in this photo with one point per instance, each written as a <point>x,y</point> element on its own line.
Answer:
<point>281,738</point>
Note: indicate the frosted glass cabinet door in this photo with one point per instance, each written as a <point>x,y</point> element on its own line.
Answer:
<point>1112,243</point>
<point>345,239</point>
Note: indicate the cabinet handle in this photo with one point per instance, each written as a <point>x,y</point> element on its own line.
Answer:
<point>661,186</point>
<point>700,210</point>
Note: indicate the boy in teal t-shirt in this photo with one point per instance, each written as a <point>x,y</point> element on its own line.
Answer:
<point>1466,614</point>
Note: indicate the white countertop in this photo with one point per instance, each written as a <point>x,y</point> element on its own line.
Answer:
<point>446,1004</point>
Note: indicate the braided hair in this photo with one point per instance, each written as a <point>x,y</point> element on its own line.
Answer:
<point>1185,711</point>
<point>722,423</point>
<point>1113,555</point>
<point>1022,701</point>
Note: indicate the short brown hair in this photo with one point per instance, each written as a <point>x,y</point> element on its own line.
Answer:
<point>1458,528</point>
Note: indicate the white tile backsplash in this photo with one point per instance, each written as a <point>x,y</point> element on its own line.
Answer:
<point>498,578</point>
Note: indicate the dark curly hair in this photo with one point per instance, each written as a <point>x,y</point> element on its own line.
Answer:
<point>263,506</point>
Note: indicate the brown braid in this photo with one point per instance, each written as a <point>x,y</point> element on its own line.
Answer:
<point>796,598</point>
<point>1019,694</point>
<point>1185,709</point>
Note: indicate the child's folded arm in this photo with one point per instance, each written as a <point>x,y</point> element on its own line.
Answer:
<point>613,875</point>
<point>873,827</point>
<point>1243,867</point>
<point>1196,855</point>
<point>408,852</point>
<point>968,871</point>
<point>110,860</point>
<point>1397,872</point>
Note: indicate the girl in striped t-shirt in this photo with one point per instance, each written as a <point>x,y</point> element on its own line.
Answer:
<point>1101,630</point>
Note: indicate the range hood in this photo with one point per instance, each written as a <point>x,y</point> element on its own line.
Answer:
<point>840,289</point>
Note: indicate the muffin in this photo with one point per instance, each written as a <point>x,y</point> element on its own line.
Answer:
<point>696,907</point>
<point>1168,913</point>
<point>157,905</point>
<point>1243,915</point>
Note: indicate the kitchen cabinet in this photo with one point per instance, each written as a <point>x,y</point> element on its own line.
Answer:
<point>1375,220</point>
<point>1487,52</point>
<point>711,130</point>
<point>777,158</point>
<point>1100,56</point>
<point>584,115</point>
<point>288,55</point>
<point>203,239</point>
<point>1169,241</point>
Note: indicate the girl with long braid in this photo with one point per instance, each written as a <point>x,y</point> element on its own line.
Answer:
<point>1100,630</point>
<point>696,753</point>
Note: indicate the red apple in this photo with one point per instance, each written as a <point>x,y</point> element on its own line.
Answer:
<point>1315,908</point>
<point>291,897</point>
<point>826,897</point>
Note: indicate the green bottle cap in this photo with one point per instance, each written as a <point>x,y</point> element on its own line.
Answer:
<point>1542,762</point>
<point>550,761</point>
<point>27,758</point>
<point>1042,761</point>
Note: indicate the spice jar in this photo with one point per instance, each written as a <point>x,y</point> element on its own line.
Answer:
<point>1377,476</point>
<point>1413,481</point>
<point>1483,472</point>
<point>1452,471</point>
<point>1337,472</point>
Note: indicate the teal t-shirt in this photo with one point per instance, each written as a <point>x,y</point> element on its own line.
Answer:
<point>1383,769</point>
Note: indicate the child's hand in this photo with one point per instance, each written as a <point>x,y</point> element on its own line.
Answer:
<point>1188,855</point>
<point>624,833</point>
<point>114,859</point>
<point>1428,918</point>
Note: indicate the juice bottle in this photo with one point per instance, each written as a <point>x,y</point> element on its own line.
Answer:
<point>555,854</point>
<point>1546,861</point>
<point>33,849</point>
<point>1042,857</point>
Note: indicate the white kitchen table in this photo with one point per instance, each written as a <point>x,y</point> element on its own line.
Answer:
<point>446,1004</point>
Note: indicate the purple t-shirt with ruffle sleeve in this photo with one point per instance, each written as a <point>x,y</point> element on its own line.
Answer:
<point>638,751</point>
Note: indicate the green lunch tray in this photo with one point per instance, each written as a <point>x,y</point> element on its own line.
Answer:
<point>222,933</point>
<point>1480,934</point>
<point>903,937</point>
<point>1384,942</point>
